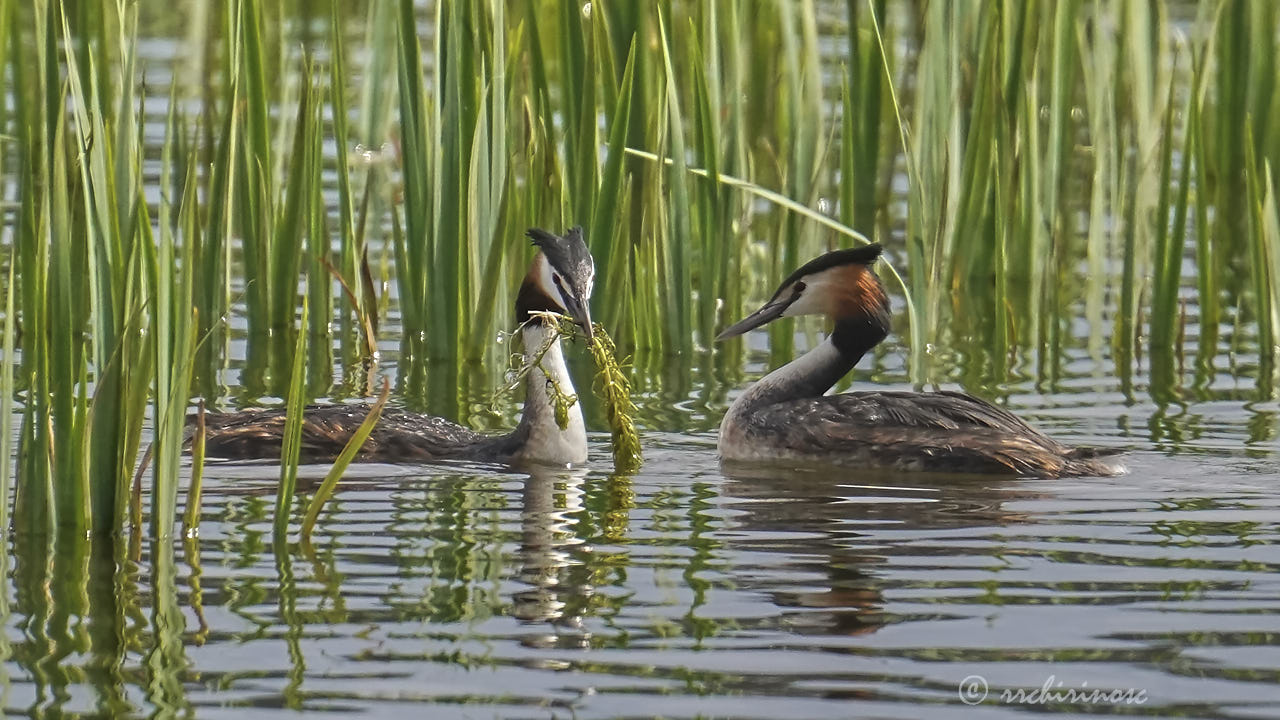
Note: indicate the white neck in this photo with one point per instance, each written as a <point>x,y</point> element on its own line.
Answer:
<point>546,441</point>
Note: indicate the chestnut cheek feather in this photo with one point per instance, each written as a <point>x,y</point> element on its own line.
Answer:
<point>858,292</point>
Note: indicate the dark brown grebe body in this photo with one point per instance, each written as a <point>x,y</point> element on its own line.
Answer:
<point>559,280</point>
<point>787,416</point>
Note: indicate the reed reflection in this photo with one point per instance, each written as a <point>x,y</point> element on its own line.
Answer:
<point>72,599</point>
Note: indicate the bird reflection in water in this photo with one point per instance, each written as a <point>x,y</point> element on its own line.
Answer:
<point>550,551</point>
<point>846,526</point>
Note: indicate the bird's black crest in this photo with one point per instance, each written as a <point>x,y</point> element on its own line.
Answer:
<point>865,255</point>
<point>568,254</point>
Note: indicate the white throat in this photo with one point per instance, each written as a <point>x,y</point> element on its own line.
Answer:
<point>547,442</point>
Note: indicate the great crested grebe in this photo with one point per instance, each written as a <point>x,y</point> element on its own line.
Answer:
<point>559,280</point>
<point>787,416</point>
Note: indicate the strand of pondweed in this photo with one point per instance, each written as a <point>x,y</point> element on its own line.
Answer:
<point>561,401</point>
<point>612,385</point>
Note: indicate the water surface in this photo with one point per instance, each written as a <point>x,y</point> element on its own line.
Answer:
<point>684,590</point>
<point>691,590</point>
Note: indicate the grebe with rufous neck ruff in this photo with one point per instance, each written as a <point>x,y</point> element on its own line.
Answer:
<point>787,415</point>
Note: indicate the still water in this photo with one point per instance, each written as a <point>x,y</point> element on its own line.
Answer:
<point>692,590</point>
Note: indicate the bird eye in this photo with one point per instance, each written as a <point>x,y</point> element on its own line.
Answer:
<point>800,286</point>
<point>562,288</point>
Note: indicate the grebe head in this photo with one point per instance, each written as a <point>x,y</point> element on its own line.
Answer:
<point>839,285</point>
<point>560,278</point>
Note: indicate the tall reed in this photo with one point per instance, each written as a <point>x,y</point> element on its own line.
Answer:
<point>1027,163</point>
<point>95,350</point>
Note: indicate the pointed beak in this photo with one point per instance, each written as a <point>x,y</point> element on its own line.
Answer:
<point>581,313</point>
<point>771,311</point>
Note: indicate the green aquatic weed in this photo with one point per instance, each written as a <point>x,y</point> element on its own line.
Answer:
<point>611,385</point>
<point>560,400</point>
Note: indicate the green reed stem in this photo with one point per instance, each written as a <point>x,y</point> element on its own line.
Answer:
<point>349,451</point>
<point>605,219</point>
<point>7,366</point>
<point>291,445</point>
<point>195,488</point>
